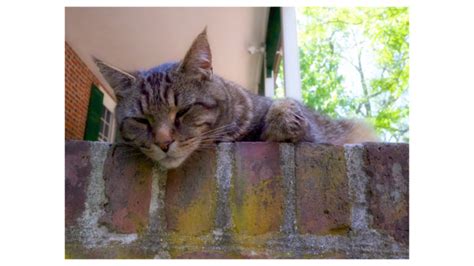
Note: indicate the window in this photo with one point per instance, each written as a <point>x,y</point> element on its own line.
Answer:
<point>100,124</point>
<point>106,132</point>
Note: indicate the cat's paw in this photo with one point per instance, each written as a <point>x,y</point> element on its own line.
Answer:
<point>285,122</point>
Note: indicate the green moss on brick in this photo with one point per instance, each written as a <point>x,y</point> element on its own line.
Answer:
<point>257,195</point>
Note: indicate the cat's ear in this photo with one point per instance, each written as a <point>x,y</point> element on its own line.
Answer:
<point>198,59</point>
<point>120,80</point>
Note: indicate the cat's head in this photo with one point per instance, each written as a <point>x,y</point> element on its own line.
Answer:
<point>168,111</point>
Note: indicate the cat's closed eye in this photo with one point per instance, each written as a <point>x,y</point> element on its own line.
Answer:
<point>183,111</point>
<point>206,105</point>
<point>202,124</point>
<point>186,109</point>
<point>141,120</point>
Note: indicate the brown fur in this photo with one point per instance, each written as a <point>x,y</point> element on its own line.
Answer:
<point>170,111</point>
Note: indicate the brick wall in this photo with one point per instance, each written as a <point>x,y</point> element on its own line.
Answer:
<point>78,81</point>
<point>239,200</point>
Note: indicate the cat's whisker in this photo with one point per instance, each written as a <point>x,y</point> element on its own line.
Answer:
<point>200,143</point>
<point>208,145</point>
<point>221,131</point>
<point>181,143</point>
<point>217,134</point>
<point>225,128</point>
<point>207,139</point>
<point>200,140</point>
<point>213,134</point>
<point>216,138</point>
<point>189,142</point>
<point>218,128</point>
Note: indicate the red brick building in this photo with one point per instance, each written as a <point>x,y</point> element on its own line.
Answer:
<point>81,121</point>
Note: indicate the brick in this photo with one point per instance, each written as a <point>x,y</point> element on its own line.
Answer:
<point>322,190</point>
<point>75,251</point>
<point>220,254</point>
<point>190,200</point>
<point>127,176</point>
<point>254,255</point>
<point>78,169</point>
<point>205,255</point>
<point>387,166</point>
<point>257,195</point>
<point>327,255</point>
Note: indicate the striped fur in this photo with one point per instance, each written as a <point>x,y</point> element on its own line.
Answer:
<point>171,111</point>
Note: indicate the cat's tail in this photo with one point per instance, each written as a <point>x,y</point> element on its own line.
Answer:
<point>359,131</point>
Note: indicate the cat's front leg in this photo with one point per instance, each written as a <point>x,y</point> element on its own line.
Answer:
<point>285,122</point>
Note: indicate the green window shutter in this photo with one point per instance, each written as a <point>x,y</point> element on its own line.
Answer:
<point>273,38</point>
<point>93,114</point>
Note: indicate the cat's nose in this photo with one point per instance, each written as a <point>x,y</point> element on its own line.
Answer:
<point>164,146</point>
<point>163,138</point>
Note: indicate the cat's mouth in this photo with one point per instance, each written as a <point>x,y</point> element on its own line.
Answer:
<point>169,160</point>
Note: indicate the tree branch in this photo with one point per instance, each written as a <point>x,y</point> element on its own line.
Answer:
<point>375,94</point>
<point>344,22</point>
<point>368,107</point>
<point>350,62</point>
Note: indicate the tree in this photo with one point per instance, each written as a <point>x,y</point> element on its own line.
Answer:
<point>354,63</point>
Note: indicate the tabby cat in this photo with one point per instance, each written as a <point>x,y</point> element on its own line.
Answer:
<point>172,110</point>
